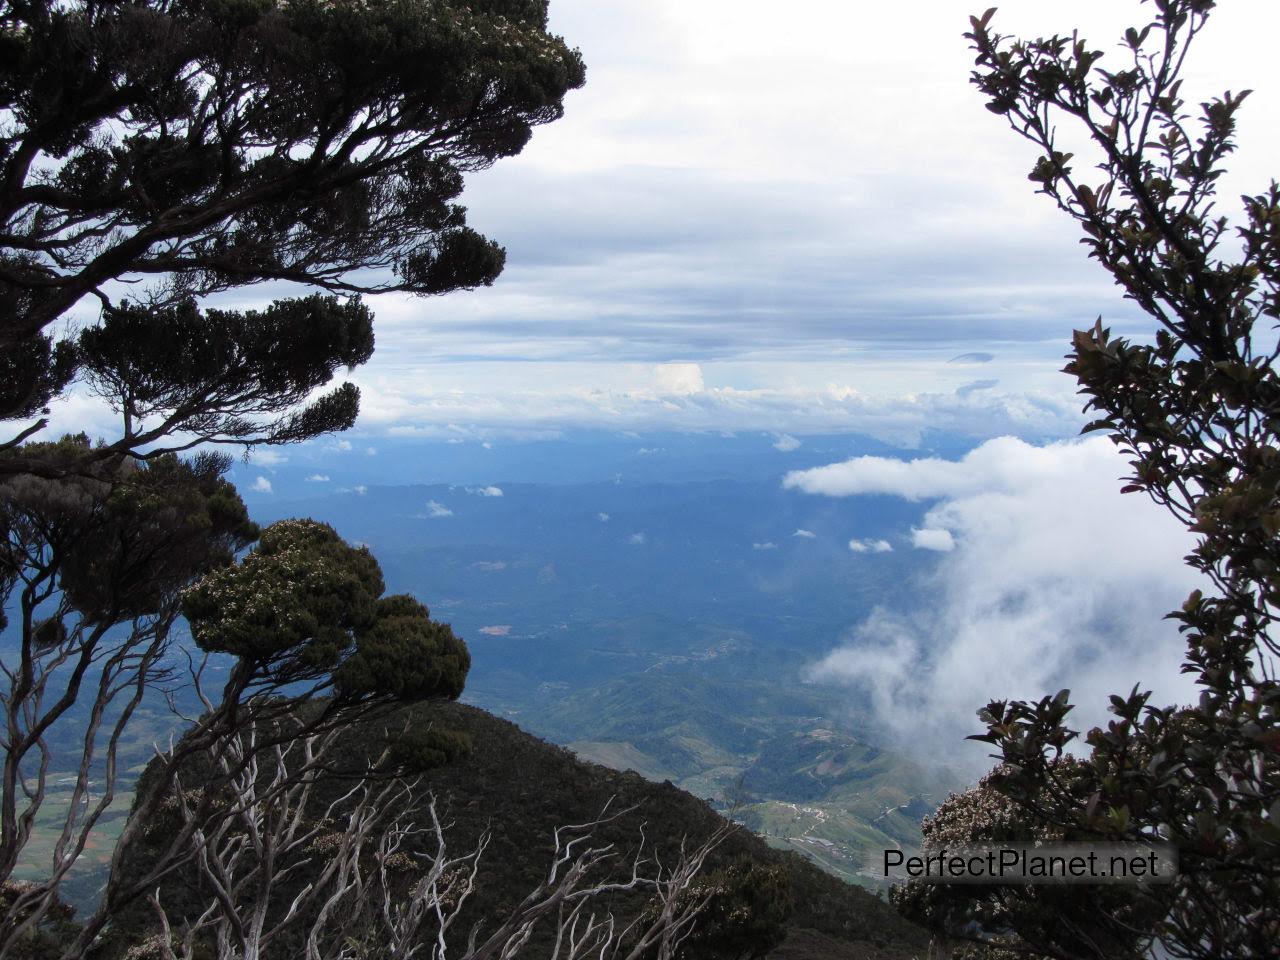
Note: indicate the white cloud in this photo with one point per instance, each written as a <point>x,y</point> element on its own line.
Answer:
<point>1054,575</point>
<point>267,457</point>
<point>999,465</point>
<point>485,491</point>
<point>318,478</point>
<point>786,443</point>
<point>371,451</point>
<point>436,510</point>
<point>933,538</point>
<point>602,517</point>
<point>805,534</point>
<point>343,445</point>
<point>680,379</point>
<point>889,392</point>
<point>731,257</point>
<point>637,538</point>
<point>360,489</point>
<point>261,485</point>
<point>767,545</point>
<point>870,546</point>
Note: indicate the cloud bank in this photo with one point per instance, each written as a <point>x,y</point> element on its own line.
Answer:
<point>1053,579</point>
<point>786,400</point>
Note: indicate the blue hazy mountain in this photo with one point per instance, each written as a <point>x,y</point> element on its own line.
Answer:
<point>531,577</point>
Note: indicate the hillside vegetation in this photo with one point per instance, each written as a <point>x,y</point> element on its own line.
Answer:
<point>520,788</point>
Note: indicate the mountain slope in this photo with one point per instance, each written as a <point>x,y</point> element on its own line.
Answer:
<point>520,788</point>
<point>773,750</point>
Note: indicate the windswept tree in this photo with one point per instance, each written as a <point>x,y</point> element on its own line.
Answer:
<point>154,154</point>
<point>309,643</point>
<point>1196,410</point>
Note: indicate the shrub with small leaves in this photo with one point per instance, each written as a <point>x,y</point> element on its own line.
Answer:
<point>1196,410</point>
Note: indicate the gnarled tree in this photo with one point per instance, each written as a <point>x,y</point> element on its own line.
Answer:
<point>154,153</point>
<point>308,643</point>
<point>197,146</point>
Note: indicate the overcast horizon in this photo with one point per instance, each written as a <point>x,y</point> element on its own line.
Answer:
<point>809,225</point>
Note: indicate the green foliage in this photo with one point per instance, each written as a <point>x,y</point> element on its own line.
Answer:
<point>47,939</point>
<point>406,654</point>
<point>215,373</point>
<point>32,371</point>
<point>1197,412</point>
<point>994,922</point>
<point>748,906</point>
<point>417,750</point>
<point>213,144</point>
<point>302,585</point>
<point>305,604</point>
<point>120,540</point>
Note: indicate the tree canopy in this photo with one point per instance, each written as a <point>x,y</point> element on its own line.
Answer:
<point>304,605</point>
<point>194,146</point>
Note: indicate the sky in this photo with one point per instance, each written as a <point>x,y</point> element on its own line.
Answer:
<point>788,222</point>
<point>805,223</point>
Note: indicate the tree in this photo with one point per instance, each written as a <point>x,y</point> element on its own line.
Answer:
<point>369,872</point>
<point>1197,412</point>
<point>96,561</point>
<point>1004,922</point>
<point>156,152</point>
<point>313,648</point>
<point>746,908</point>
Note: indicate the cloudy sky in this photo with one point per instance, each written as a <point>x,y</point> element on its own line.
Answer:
<point>801,223</point>
<point>786,222</point>
<point>804,220</point>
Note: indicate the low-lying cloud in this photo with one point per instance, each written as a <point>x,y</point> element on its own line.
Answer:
<point>1053,579</point>
<point>933,538</point>
<point>870,546</point>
